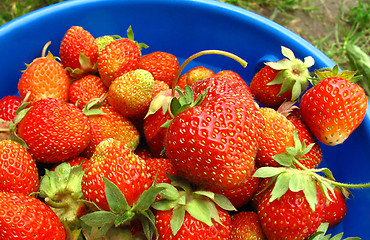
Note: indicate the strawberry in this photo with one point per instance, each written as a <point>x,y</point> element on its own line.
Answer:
<point>336,208</point>
<point>334,107</point>
<point>110,124</point>
<point>200,140</point>
<point>279,134</point>
<point>241,194</point>
<point>74,162</point>
<point>192,228</point>
<point>230,75</point>
<point>44,78</point>
<point>118,57</point>
<point>246,225</point>
<point>18,169</point>
<point>195,74</point>
<point>60,189</point>
<point>8,107</point>
<point>159,86</point>
<point>131,93</point>
<point>26,217</point>
<point>279,81</point>
<point>290,216</point>
<point>314,157</point>
<point>78,52</point>
<point>162,65</point>
<point>85,89</point>
<point>54,131</point>
<point>114,160</point>
<point>182,212</point>
<point>103,41</point>
<point>158,169</point>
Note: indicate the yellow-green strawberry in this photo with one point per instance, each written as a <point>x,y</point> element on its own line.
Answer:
<point>131,93</point>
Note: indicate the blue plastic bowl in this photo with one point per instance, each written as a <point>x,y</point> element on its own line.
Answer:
<point>184,27</point>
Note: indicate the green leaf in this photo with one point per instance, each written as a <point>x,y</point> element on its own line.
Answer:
<point>213,211</point>
<point>200,97</point>
<point>115,198</point>
<point>180,182</point>
<point>164,204</point>
<point>175,105</point>
<point>309,61</point>
<point>296,90</point>
<point>287,53</point>
<point>99,218</point>
<point>148,224</point>
<point>279,65</point>
<point>178,216</point>
<point>125,217</point>
<point>223,202</point>
<point>284,159</point>
<point>297,182</point>
<point>266,172</point>
<point>147,198</point>
<point>103,230</point>
<point>281,186</point>
<point>169,192</point>
<point>310,193</point>
<point>207,194</point>
<point>198,210</point>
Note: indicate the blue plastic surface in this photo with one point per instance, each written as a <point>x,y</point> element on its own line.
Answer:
<point>183,28</point>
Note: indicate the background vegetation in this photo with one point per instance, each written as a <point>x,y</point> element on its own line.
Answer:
<point>341,31</point>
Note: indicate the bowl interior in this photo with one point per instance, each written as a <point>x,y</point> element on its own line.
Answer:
<point>184,27</point>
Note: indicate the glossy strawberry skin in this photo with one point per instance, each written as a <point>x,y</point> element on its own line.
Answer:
<point>335,210</point>
<point>278,135</point>
<point>265,94</point>
<point>201,141</point>
<point>192,228</point>
<point>194,75</point>
<point>114,160</point>
<point>77,40</point>
<point>290,217</point>
<point>158,169</point>
<point>246,225</point>
<point>8,107</point>
<point>162,65</point>
<point>333,109</point>
<point>85,89</point>
<point>18,169</point>
<point>54,131</point>
<point>111,124</point>
<point>117,58</point>
<point>228,74</point>
<point>44,78</point>
<point>26,217</point>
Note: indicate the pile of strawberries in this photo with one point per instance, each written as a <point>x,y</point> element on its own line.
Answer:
<point>106,142</point>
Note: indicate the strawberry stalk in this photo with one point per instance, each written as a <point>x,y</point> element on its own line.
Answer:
<point>201,53</point>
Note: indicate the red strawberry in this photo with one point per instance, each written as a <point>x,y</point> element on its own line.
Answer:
<point>26,217</point>
<point>131,93</point>
<point>282,80</point>
<point>85,89</point>
<point>110,124</point>
<point>54,131</point>
<point>336,208</point>
<point>241,194</point>
<point>44,78</point>
<point>201,140</point>
<point>230,75</point>
<point>278,135</point>
<point>159,86</point>
<point>290,216</point>
<point>158,169</point>
<point>117,58</point>
<point>8,107</point>
<point>334,107</point>
<point>18,169</point>
<point>246,225</point>
<point>192,228</point>
<point>162,65</point>
<point>78,52</point>
<point>314,157</point>
<point>114,160</point>
<point>74,162</point>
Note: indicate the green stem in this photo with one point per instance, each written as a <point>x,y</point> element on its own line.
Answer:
<point>55,204</point>
<point>201,53</point>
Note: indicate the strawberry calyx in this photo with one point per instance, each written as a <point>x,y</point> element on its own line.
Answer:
<point>289,177</point>
<point>130,36</point>
<point>61,191</point>
<point>121,213</point>
<point>180,197</point>
<point>321,234</point>
<point>44,55</point>
<point>93,105</point>
<point>293,73</point>
<point>324,73</point>
<point>87,67</point>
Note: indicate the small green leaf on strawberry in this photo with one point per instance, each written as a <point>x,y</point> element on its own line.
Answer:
<point>116,200</point>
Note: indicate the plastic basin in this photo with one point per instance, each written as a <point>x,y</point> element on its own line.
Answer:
<point>184,27</point>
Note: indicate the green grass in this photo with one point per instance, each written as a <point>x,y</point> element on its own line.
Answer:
<point>347,43</point>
